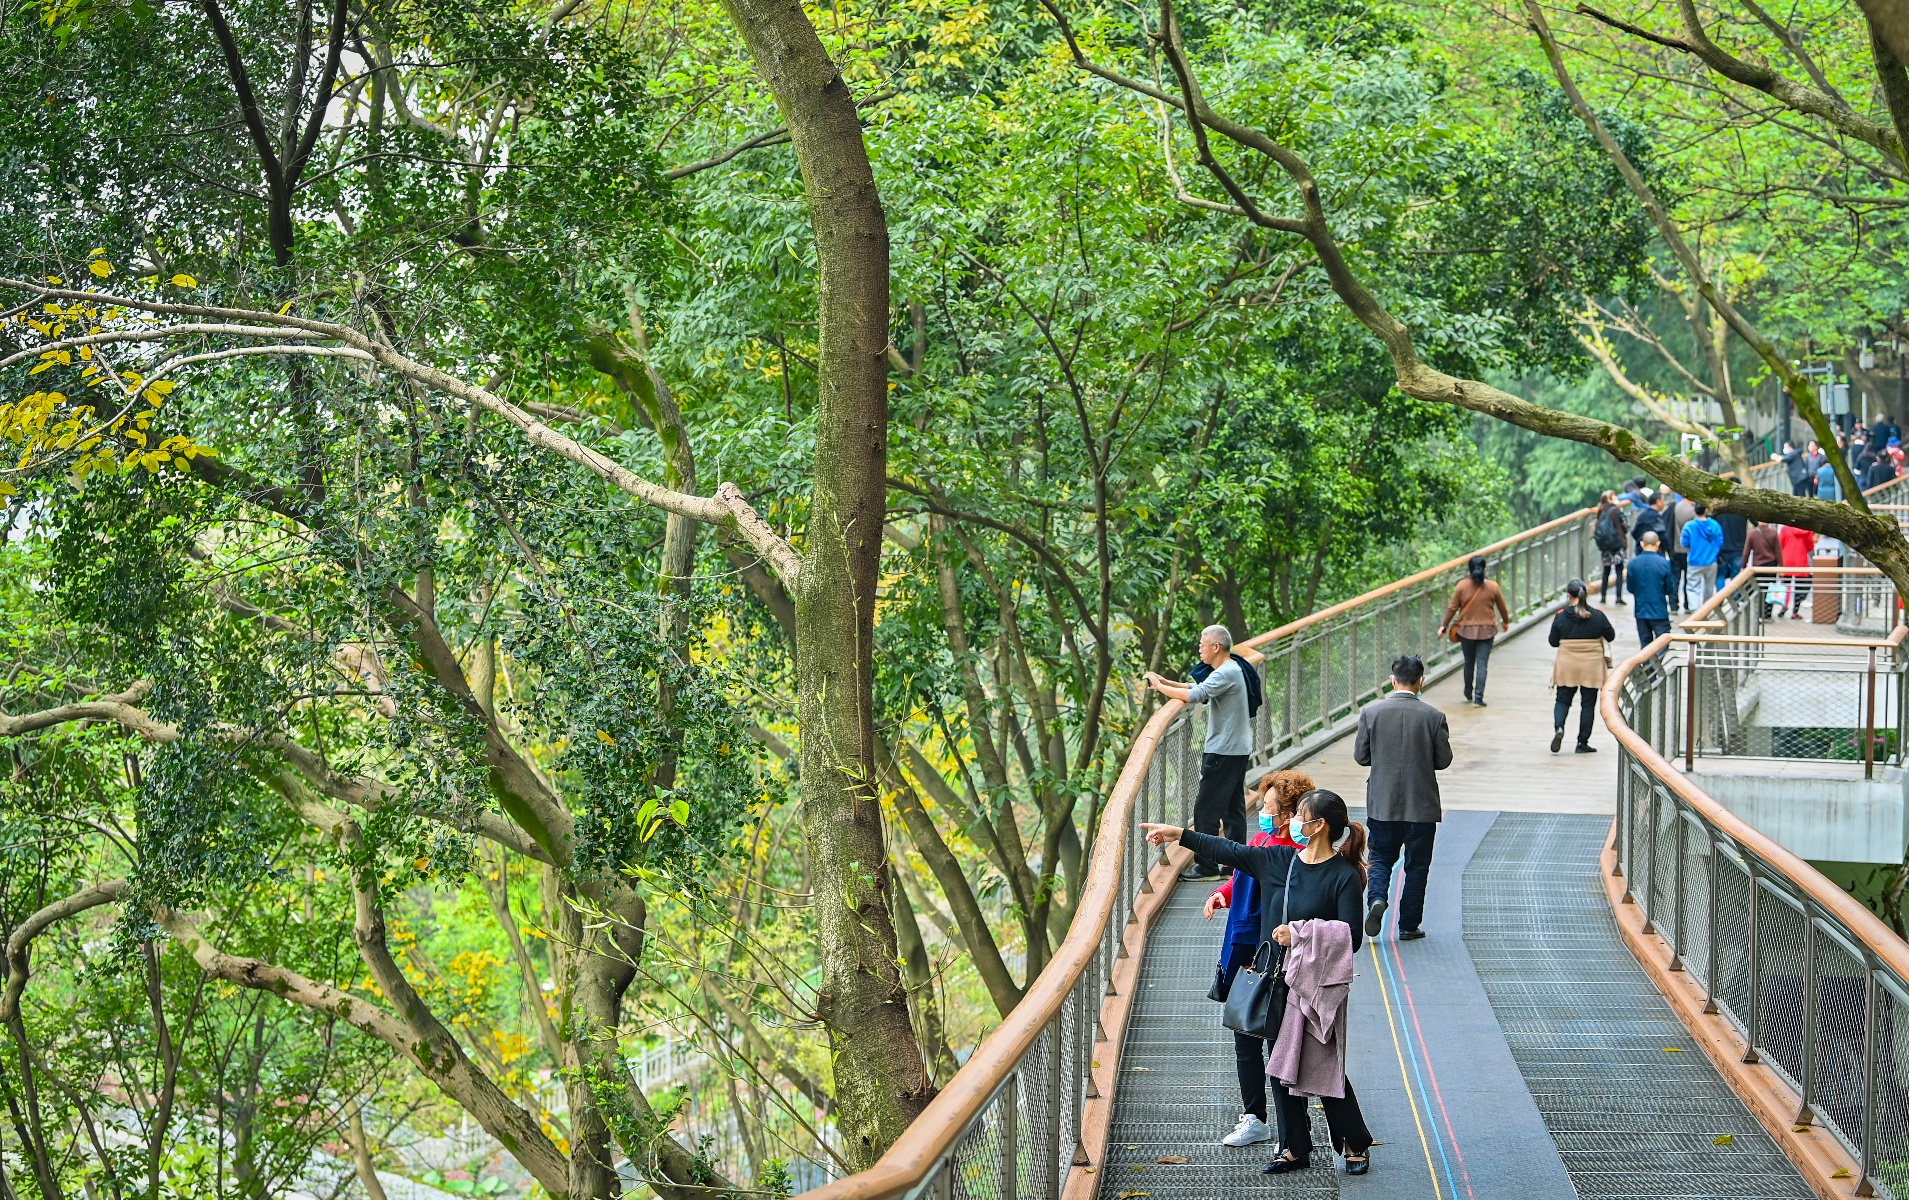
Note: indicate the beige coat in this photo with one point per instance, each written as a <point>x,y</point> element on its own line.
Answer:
<point>1580,663</point>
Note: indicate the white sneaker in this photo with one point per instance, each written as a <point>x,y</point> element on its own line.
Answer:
<point>1249,1131</point>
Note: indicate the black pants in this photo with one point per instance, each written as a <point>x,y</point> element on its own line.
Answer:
<point>1477,659</point>
<point>1221,803</point>
<point>1649,629</point>
<point>1343,1119</point>
<point>1679,568</point>
<point>1249,1053</point>
<point>1389,838</point>
<point>1587,709</point>
<point>1605,593</point>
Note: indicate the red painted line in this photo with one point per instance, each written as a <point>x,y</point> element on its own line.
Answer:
<point>1425,1052</point>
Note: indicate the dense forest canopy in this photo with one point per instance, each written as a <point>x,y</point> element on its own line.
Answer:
<point>575,574</point>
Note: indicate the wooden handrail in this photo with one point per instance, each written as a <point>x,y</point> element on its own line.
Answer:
<point>932,1135</point>
<point>1866,926</point>
<point>1326,614</point>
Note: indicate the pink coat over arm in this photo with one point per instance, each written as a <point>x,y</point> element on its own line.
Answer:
<point>1310,1055</point>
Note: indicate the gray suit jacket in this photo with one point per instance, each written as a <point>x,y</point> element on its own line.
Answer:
<point>1406,742</point>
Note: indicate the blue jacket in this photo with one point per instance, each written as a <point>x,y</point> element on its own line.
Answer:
<point>1650,581</point>
<point>1649,520</point>
<point>1242,918</point>
<point>1703,538</point>
<point>1827,487</point>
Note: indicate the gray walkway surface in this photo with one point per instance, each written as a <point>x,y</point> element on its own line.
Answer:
<point>1518,1051</point>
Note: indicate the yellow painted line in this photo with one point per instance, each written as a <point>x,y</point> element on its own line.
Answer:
<point>1405,1072</point>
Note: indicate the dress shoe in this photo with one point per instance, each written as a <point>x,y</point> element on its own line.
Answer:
<point>1480,702</point>
<point>1360,1165</point>
<point>1285,1165</point>
<point>1411,935</point>
<point>1585,748</point>
<point>1375,918</point>
<point>1557,740</point>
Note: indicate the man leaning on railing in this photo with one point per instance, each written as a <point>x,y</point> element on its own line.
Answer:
<point>1229,739</point>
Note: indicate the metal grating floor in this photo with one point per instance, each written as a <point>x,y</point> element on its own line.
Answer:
<point>1589,1030</point>
<point>1177,1092</point>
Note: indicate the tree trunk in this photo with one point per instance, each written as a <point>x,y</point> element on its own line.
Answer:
<point>880,1080</point>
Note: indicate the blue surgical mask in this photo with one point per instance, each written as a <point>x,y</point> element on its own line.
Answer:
<point>1296,830</point>
<point>1267,824</point>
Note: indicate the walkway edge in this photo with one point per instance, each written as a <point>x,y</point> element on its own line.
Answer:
<point>1817,1155</point>
<point>1097,1112</point>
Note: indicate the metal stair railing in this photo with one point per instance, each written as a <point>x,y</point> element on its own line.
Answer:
<point>1816,985</point>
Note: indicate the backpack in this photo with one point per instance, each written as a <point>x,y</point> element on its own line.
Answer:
<point>1608,536</point>
<point>1255,695</point>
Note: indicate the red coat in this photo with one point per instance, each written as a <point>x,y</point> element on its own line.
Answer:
<point>1797,544</point>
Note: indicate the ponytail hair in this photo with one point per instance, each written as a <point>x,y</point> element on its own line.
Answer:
<point>1580,597</point>
<point>1330,807</point>
<point>1476,569</point>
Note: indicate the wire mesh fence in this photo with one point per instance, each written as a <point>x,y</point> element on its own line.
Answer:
<point>1812,998</point>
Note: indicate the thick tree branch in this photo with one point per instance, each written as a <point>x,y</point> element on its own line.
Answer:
<point>20,941</point>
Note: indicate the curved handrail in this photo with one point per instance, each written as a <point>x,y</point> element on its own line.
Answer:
<point>1867,927</point>
<point>1814,983</point>
<point>931,1138</point>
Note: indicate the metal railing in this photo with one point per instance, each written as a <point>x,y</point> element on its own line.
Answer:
<point>1815,983</point>
<point>1725,690</point>
<point>1319,670</point>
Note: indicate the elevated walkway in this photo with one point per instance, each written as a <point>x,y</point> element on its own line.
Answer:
<point>1671,1004</point>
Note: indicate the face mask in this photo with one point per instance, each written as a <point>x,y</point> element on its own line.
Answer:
<point>1296,830</point>
<point>1267,824</point>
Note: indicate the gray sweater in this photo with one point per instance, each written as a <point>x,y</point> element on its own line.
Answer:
<point>1228,730</point>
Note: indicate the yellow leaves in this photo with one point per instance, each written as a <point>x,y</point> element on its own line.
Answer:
<point>605,738</point>
<point>7,489</point>
<point>285,308</point>
<point>1724,1139</point>
<point>100,267</point>
<point>1673,1049</point>
<point>55,280</point>
<point>1840,1173</point>
<point>422,864</point>
<point>184,281</point>
<point>1171,1159</point>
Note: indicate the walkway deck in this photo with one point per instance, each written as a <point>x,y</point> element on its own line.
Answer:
<point>1517,1051</point>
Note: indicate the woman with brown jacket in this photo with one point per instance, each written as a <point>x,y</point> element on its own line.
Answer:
<point>1470,620</point>
<point>1581,634</point>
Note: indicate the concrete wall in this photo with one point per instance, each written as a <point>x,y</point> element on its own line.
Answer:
<point>1814,810</point>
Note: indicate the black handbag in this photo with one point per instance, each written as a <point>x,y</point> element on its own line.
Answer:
<point>1221,983</point>
<point>1256,1003</point>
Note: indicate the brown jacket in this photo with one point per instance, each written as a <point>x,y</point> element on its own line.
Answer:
<point>1764,547</point>
<point>1474,603</point>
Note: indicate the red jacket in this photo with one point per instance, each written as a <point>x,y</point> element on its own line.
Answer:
<point>1797,544</point>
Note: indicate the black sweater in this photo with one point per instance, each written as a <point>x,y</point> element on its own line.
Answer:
<point>1568,626</point>
<point>1329,891</point>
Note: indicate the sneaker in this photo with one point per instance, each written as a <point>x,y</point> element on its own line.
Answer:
<point>1374,918</point>
<point>1557,740</point>
<point>1586,748</point>
<point>1249,1132</point>
<point>1480,702</point>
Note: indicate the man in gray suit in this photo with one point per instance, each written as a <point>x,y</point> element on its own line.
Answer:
<point>1406,742</point>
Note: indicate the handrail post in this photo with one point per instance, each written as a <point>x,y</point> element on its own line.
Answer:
<point>1051,1166</point>
<point>1677,935</point>
<point>1867,1142</point>
<point>1690,711</point>
<point>1711,955</point>
<point>1810,1016</point>
<point>1011,1137</point>
<point>1753,966</point>
<point>1650,857</point>
<point>1869,721</point>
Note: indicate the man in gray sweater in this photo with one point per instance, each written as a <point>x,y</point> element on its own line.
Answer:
<point>1229,741</point>
<point>1406,742</point>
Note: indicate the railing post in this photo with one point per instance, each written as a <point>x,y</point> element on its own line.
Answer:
<point>1650,856</point>
<point>1867,1142</point>
<point>1711,955</point>
<point>1677,933</point>
<point>1869,721</point>
<point>1011,1137</point>
<point>1753,967</point>
<point>1051,1167</point>
<point>1810,1016</point>
<point>1690,710</point>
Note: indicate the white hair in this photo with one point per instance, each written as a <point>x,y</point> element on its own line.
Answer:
<point>1218,633</point>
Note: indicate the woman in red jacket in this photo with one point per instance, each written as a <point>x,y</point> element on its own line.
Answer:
<point>1279,795</point>
<point>1797,545</point>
